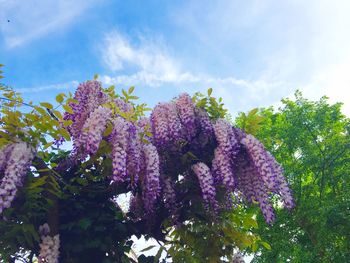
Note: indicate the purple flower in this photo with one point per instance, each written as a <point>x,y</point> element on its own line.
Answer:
<point>144,128</point>
<point>17,166</point>
<point>206,183</point>
<point>4,155</point>
<point>93,129</point>
<point>89,96</point>
<point>203,122</point>
<point>119,141</point>
<point>222,169</point>
<point>151,184</point>
<point>245,173</point>
<point>257,154</point>
<point>175,128</point>
<point>281,184</point>
<point>159,125</point>
<point>226,138</point>
<point>262,198</point>
<point>185,109</point>
<point>123,106</point>
<point>133,155</point>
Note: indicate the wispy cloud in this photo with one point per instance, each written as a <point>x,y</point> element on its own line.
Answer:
<point>149,64</point>
<point>32,19</point>
<point>310,53</point>
<point>62,86</point>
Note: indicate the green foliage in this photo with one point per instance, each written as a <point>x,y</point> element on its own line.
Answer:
<point>311,140</point>
<point>214,107</point>
<point>200,241</point>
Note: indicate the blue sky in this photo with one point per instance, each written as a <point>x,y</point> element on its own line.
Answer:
<point>252,53</point>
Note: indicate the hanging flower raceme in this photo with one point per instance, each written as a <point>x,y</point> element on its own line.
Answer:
<point>89,96</point>
<point>206,183</point>
<point>264,175</point>
<point>133,155</point>
<point>186,110</point>
<point>222,169</point>
<point>119,141</point>
<point>49,246</point>
<point>282,187</point>
<point>151,181</point>
<point>226,138</point>
<point>159,125</point>
<point>92,131</point>
<point>204,123</point>
<point>18,158</point>
<point>257,154</point>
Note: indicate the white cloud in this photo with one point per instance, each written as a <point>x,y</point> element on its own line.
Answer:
<point>32,19</point>
<point>299,44</point>
<point>62,86</point>
<point>149,57</point>
<point>150,64</point>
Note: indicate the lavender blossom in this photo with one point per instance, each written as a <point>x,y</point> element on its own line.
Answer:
<point>133,155</point>
<point>204,122</point>
<point>222,169</point>
<point>144,128</point>
<point>159,125</point>
<point>206,182</point>
<point>245,171</point>
<point>151,184</point>
<point>253,187</point>
<point>93,129</point>
<point>226,138</point>
<point>262,198</point>
<point>169,196</point>
<point>281,184</point>
<point>123,106</point>
<point>16,168</point>
<point>257,154</point>
<point>4,155</point>
<point>119,140</point>
<point>175,128</point>
<point>185,108</point>
<point>89,96</point>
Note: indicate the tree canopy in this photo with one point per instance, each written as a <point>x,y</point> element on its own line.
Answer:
<point>312,142</point>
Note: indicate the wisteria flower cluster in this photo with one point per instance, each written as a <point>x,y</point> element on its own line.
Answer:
<point>134,161</point>
<point>15,159</point>
<point>223,158</point>
<point>49,246</point>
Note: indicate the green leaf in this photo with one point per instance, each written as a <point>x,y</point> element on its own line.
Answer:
<point>84,223</point>
<point>65,134</point>
<point>131,90</point>
<point>68,109</point>
<point>48,145</point>
<point>210,91</point>
<point>266,245</point>
<point>60,98</point>
<point>46,105</point>
<point>148,248</point>
<point>158,255</point>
